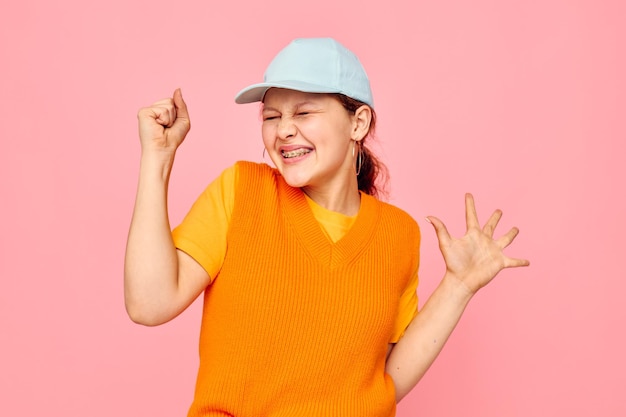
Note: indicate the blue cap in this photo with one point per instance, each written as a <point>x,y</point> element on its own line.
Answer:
<point>313,65</point>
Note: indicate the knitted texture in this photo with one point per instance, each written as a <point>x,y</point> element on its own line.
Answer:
<point>295,325</point>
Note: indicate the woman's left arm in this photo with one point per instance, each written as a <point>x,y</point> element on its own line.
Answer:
<point>472,261</point>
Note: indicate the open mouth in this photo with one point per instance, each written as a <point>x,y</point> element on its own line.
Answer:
<point>295,153</point>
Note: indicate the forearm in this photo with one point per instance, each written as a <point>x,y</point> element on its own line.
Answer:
<point>426,335</point>
<point>151,266</point>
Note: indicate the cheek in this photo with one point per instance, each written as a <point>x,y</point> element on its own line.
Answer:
<point>315,132</point>
<point>267,135</point>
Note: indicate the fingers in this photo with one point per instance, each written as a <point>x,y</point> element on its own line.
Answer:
<point>516,263</point>
<point>440,229</point>
<point>163,112</point>
<point>471,217</point>
<point>491,224</point>
<point>506,240</point>
<point>477,251</point>
<point>165,123</point>
<point>167,111</point>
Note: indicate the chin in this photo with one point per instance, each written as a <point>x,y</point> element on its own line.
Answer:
<point>296,183</point>
<point>295,179</point>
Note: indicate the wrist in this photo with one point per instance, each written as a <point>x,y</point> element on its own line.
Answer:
<point>157,163</point>
<point>156,153</point>
<point>457,288</point>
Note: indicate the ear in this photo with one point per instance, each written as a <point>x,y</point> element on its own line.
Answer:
<point>361,122</point>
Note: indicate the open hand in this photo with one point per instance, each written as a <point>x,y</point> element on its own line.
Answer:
<point>476,258</point>
<point>164,124</point>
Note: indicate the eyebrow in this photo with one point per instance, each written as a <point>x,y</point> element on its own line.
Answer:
<point>298,105</point>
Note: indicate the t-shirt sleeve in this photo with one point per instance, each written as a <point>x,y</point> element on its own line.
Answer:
<point>407,309</point>
<point>203,232</point>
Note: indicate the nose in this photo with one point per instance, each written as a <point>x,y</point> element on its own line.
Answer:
<point>286,128</point>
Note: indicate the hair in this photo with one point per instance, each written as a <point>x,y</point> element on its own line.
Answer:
<point>373,175</point>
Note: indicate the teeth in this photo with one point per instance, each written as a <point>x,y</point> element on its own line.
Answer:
<point>294,153</point>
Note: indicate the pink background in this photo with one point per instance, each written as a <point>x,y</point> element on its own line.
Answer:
<point>521,103</point>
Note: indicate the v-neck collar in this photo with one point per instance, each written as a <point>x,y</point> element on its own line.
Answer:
<point>309,232</point>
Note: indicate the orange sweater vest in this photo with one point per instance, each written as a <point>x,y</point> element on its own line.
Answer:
<point>295,325</point>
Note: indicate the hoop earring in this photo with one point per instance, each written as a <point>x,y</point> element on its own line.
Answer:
<point>359,160</point>
<point>264,153</point>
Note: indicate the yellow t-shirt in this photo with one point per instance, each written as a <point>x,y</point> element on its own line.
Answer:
<point>210,216</point>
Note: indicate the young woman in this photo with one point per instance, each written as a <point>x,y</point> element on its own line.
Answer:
<point>309,281</point>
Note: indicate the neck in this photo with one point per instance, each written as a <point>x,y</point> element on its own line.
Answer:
<point>345,200</point>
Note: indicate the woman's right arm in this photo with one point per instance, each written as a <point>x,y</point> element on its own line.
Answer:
<point>159,280</point>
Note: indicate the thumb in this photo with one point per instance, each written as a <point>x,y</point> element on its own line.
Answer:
<point>440,229</point>
<point>181,125</point>
<point>181,106</point>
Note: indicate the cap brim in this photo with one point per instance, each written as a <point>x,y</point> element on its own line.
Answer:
<point>256,92</point>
